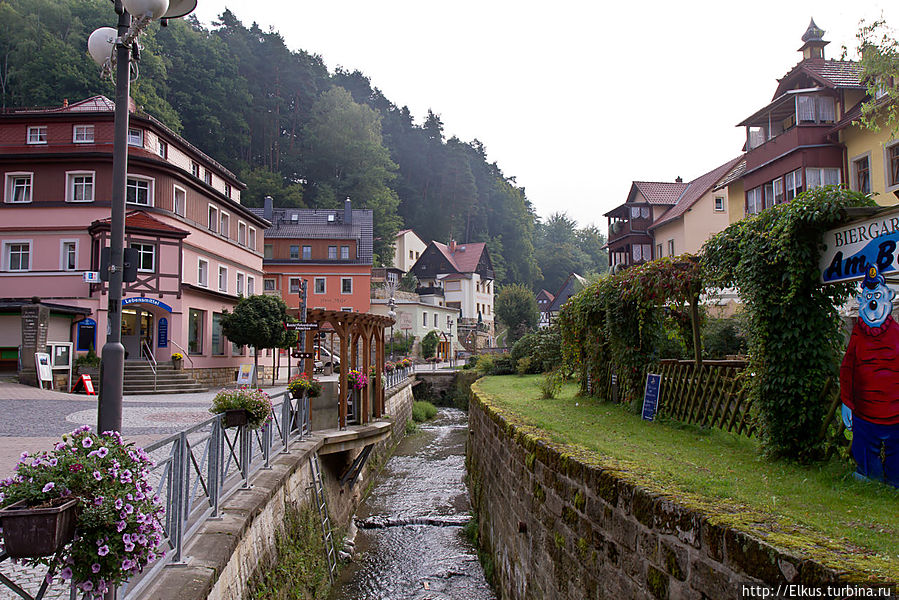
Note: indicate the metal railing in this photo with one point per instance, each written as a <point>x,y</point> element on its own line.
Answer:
<point>199,468</point>
<point>183,352</point>
<point>396,377</point>
<point>151,360</point>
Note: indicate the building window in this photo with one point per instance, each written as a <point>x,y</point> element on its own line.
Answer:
<point>82,134</point>
<point>268,285</point>
<point>251,285</point>
<point>267,251</point>
<point>203,272</point>
<point>449,321</point>
<point>320,285</point>
<point>213,220</point>
<point>435,320</point>
<point>768,194</point>
<point>307,252</point>
<point>816,177</point>
<point>195,169</point>
<point>195,331</point>
<point>241,233</point>
<point>207,176</point>
<point>778,190</point>
<point>344,253</point>
<point>670,247</point>
<point>294,252</point>
<point>754,201</point>
<point>658,250</point>
<point>180,202</point>
<point>218,340</point>
<point>225,229</point>
<point>240,290</point>
<point>424,318</point>
<point>411,255</point>
<point>228,189</point>
<point>136,137</point>
<point>252,239</point>
<point>80,187</point>
<point>18,187</point>
<point>862,174</point>
<point>793,184</point>
<point>146,257</point>
<point>18,256</point>
<point>719,204</point>
<point>163,149</point>
<point>346,285</point>
<point>294,285</point>
<point>68,260</point>
<point>223,279</point>
<point>37,135</point>
<point>332,252</point>
<point>139,191</point>
<point>893,164</point>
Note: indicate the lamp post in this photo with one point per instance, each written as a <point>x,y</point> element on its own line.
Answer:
<point>449,334</point>
<point>391,311</point>
<point>118,47</point>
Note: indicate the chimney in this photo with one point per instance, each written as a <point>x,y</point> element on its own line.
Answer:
<point>452,246</point>
<point>268,208</point>
<point>679,179</point>
<point>347,211</point>
<point>65,102</point>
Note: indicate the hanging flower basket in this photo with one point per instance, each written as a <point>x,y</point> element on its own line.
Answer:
<point>304,384</point>
<point>235,417</point>
<point>243,406</point>
<point>30,532</point>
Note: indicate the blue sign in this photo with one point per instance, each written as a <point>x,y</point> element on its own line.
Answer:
<point>162,338</point>
<point>651,397</point>
<point>150,301</point>
<point>850,248</point>
<point>87,335</point>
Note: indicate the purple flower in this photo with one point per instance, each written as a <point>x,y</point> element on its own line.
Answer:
<point>129,546</point>
<point>95,567</point>
<point>23,456</point>
<point>120,526</point>
<point>53,462</point>
<point>59,446</point>
<point>49,579</point>
<point>87,442</point>
<point>102,451</point>
<point>48,487</point>
<point>87,586</point>
<point>118,504</point>
<point>98,475</point>
<point>66,573</point>
<point>103,550</point>
<point>129,509</point>
<point>127,564</point>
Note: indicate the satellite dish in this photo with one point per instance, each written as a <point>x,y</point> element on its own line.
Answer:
<point>101,43</point>
<point>179,8</point>
<point>139,8</point>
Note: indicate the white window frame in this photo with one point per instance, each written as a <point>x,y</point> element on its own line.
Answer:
<point>36,134</point>
<point>207,176</point>
<point>9,188</point>
<point>70,185</point>
<point>241,289</point>
<point>251,238</point>
<point>671,247</point>
<point>195,169</point>
<point>888,183</point>
<point>175,190</point>
<point>63,254</point>
<point>335,255</point>
<point>136,137</point>
<point>265,284</point>
<point>151,189</point>
<point>346,308</point>
<point>290,248</point>
<point>140,256</point>
<point>223,279</point>
<point>7,254</point>
<point>224,224</point>
<point>163,149</point>
<point>344,253</point>
<point>306,255</point>
<point>754,200</point>
<point>241,227</point>
<point>324,281</point>
<point>424,317</point>
<point>227,189</point>
<point>251,286</point>
<point>343,280</point>
<point>210,220</point>
<point>720,199</point>
<point>87,134</point>
<point>853,172</point>
<point>659,251</point>
<point>200,282</point>
<point>291,289</point>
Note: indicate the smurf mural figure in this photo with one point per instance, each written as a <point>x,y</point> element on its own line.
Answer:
<point>869,382</point>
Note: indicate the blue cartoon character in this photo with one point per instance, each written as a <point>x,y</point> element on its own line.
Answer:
<point>869,382</point>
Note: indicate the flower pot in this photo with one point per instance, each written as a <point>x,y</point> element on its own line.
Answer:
<point>235,417</point>
<point>177,363</point>
<point>33,532</point>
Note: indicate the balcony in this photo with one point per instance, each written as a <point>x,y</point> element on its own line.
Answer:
<point>789,140</point>
<point>622,229</point>
<point>430,291</point>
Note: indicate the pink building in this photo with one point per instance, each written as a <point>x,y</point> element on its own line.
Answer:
<point>199,249</point>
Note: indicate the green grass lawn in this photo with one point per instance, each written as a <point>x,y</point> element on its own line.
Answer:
<point>820,510</point>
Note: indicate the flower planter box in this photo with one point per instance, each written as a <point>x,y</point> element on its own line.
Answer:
<point>34,532</point>
<point>177,363</point>
<point>235,417</point>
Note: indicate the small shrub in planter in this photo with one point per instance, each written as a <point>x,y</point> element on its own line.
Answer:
<point>118,530</point>
<point>388,367</point>
<point>357,379</point>
<point>304,384</point>
<point>256,403</point>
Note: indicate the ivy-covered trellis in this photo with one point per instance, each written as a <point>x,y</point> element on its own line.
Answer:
<point>795,339</point>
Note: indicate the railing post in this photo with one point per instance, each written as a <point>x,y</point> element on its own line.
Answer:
<point>215,476</point>
<point>245,448</point>
<point>267,438</point>
<point>306,426</point>
<point>178,496</point>
<point>286,423</point>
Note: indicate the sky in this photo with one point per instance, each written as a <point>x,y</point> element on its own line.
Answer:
<point>574,99</point>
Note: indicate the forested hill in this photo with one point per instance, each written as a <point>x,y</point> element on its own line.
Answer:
<point>294,131</point>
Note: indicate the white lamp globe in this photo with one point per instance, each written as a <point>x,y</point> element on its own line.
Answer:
<point>139,8</point>
<point>101,43</point>
<point>180,8</point>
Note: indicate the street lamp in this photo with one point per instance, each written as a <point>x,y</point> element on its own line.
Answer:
<point>391,310</point>
<point>114,50</point>
<point>449,334</point>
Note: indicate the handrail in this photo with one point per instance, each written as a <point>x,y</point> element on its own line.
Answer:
<point>183,352</point>
<point>151,361</point>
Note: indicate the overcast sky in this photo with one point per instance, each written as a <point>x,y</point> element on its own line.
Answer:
<point>574,99</point>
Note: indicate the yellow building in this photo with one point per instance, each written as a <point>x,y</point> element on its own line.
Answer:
<point>872,158</point>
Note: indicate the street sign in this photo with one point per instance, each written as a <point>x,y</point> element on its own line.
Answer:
<point>298,354</point>
<point>651,397</point>
<point>91,277</point>
<point>301,326</point>
<point>405,320</point>
<point>850,248</point>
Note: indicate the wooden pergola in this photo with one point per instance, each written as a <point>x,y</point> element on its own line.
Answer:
<point>350,328</point>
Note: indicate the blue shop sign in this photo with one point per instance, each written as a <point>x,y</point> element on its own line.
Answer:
<point>150,301</point>
<point>850,248</point>
<point>162,337</point>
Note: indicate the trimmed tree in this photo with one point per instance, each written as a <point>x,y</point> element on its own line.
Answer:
<point>516,306</point>
<point>257,321</point>
<point>429,344</point>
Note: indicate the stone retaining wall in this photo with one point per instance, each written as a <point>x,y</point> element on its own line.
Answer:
<point>558,528</point>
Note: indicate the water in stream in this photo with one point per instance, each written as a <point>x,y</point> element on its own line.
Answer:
<point>422,482</point>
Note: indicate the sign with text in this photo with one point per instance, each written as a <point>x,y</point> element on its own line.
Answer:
<point>405,320</point>
<point>44,368</point>
<point>851,247</point>
<point>245,375</point>
<point>651,396</point>
<point>162,337</point>
<point>84,384</point>
<point>301,326</point>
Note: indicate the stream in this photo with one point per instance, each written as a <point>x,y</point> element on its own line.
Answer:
<point>410,542</point>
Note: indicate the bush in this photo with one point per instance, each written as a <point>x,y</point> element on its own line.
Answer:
<point>87,360</point>
<point>503,364</point>
<point>429,344</point>
<point>551,383</point>
<point>484,364</point>
<point>721,337</point>
<point>411,427</point>
<point>523,365</point>
<point>423,411</point>
<point>543,347</point>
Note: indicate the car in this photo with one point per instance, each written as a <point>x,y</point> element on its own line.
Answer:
<point>324,358</point>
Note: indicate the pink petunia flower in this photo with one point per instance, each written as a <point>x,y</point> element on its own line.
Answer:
<point>50,485</point>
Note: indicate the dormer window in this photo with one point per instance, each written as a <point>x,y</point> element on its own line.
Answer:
<point>37,135</point>
<point>136,137</point>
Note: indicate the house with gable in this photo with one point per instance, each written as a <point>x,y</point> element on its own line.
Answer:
<point>544,299</point>
<point>571,286</point>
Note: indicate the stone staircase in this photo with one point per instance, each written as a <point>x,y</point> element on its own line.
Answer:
<point>139,379</point>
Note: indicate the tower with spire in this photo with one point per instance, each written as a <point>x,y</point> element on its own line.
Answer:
<point>813,42</point>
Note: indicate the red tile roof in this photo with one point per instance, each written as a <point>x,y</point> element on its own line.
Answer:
<point>138,219</point>
<point>735,173</point>
<point>828,72</point>
<point>696,189</point>
<point>660,192</point>
<point>466,257</point>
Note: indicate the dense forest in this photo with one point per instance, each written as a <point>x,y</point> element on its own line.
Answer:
<point>293,130</point>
